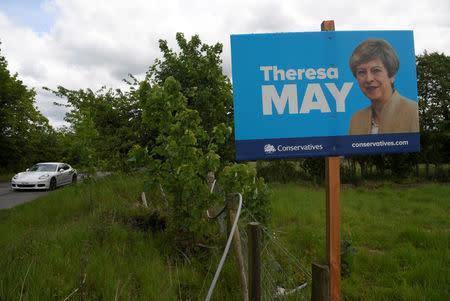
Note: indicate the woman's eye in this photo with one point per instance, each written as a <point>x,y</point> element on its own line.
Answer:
<point>361,72</point>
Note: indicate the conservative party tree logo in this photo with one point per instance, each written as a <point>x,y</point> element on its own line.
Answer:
<point>269,149</point>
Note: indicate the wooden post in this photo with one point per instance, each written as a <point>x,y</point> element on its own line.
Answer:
<point>232,203</point>
<point>320,290</point>
<point>333,225</point>
<point>333,188</point>
<point>327,25</point>
<point>254,261</point>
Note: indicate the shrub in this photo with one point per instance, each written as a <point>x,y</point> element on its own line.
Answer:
<point>314,168</point>
<point>183,154</point>
<point>277,170</point>
<point>255,193</point>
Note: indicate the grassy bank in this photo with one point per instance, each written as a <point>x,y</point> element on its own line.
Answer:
<point>72,239</point>
<point>79,239</point>
<point>83,240</point>
<point>401,237</point>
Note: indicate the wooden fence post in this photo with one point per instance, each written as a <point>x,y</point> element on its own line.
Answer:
<point>333,207</point>
<point>254,261</point>
<point>320,290</point>
<point>232,203</point>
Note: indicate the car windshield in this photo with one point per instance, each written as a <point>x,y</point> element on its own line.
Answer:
<point>43,167</point>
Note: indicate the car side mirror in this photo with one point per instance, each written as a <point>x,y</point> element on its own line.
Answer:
<point>61,169</point>
<point>27,169</point>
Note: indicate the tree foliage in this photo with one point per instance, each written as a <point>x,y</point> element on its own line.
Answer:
<point>104,125</point>
<point>433,84</point>
<point>25,134</point>
<point>187,118</point>
<point>197,67</point>
<point>183,154</point>
<point>243,179</point>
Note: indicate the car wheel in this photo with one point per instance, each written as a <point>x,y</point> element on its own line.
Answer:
<point>74,179</point>
<point>52,184</point>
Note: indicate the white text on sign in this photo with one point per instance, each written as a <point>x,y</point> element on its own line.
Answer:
<point>313,90</point>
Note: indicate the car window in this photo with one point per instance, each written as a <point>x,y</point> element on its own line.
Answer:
<point>43,167</point>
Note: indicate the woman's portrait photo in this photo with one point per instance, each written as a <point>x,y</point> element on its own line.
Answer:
<point>374,63</point>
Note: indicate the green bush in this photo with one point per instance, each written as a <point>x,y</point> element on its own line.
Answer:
<point>282,171</point>
<point>348,175</point>
<point>179,162</point>
<point>255,193</point>
<point>314,169</point>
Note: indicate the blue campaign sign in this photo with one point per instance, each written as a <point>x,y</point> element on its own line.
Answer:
<point>324,94</point>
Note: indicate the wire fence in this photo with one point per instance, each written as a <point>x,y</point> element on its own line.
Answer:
<point>283,275</point>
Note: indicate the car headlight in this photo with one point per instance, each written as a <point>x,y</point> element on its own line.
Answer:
<point>15,177</point>
<point>43,177</point>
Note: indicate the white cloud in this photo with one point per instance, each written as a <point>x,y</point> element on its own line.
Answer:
<point>96,43</point>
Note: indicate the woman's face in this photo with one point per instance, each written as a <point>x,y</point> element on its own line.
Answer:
<point>374,81</point>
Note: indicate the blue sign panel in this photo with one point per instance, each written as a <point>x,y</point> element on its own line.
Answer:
<point>324,94</point>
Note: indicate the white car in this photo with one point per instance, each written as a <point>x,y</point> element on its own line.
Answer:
<point>48,175</point>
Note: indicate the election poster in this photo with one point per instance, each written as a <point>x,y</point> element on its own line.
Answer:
<point>328,93</point>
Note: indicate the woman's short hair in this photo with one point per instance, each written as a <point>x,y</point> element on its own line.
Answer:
<point>371,49</point>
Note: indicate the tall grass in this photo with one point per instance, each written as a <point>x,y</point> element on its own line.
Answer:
<point>49,246</point>
<point>402,237</point>
<point>79,240</point>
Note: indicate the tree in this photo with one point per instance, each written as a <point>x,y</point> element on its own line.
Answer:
<point>182,156</point>
<point>24,131</point>
<point>197,67</point>
<point>433,84</point>
<point>104,126</point>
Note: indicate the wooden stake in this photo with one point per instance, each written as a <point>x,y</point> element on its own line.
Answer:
<point>144,199</point>
<point>232,203</point>
<point>254,261</point>
<point>333,204</point>
<point>320,290</point>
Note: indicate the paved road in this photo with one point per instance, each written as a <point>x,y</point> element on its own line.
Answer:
<point>9,198</point>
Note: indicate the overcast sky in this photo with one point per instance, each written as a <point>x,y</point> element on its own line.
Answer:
<point>81,44</point>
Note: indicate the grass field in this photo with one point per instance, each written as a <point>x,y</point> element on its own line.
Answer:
<point>401,235</point>
<point>79,240</point>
